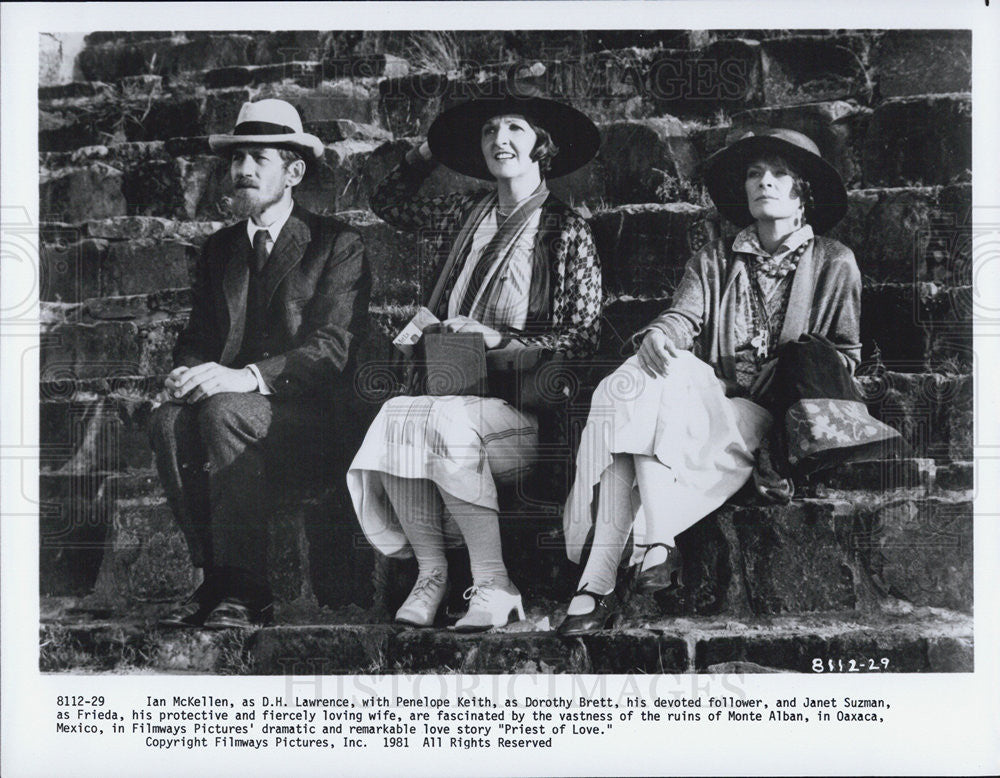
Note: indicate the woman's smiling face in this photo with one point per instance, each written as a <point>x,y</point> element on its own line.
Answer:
<point>507,142</point>
<point>771,191</point>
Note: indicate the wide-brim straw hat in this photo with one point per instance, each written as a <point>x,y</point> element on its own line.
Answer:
<point>725,176</point>
<point>272,123</point>
<point>454,136</point>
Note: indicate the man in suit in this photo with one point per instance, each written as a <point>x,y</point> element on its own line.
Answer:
<point>263,369</point>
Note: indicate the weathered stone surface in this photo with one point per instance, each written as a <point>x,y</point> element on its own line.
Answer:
<point>910,234</point>
<point>90,433</point>
<point>733,557</point>
<point>104,349</point>
<point>919,140</point>
<point>153,189</point>
<point>117,36</point>
<point>934,412</point>
<point>71,89</point>
<point>205,183</point>
<point>878,476</point>
<point>643,248</point>
<point>837,127</point>
<point>122,155</point>
<point>70,271</point>
<point>815,555</point>
<point>338,184</point>
<point>333,130</point>
<point>331,100</point>
<point>401,265</point>
<point>805,68</point>
<point>291,45</point>
<point>364,67</point>
<point>333,562</point>
<point>303,73</point>
<point>955,476</point>
<point>77,194</point>
<point>921,550</point>
<point>144,227</point>
<point>648,161</point>
<point>185,52</point>
<point>147,558</point>
<point>906,652</point>
<point>629,651</point>
<point>74,514</point>
<point>143,266</point>
<point>58,131</point>
<point>407,105</point>
<point>321,650</point>
<point>920,62</point>
<point>124,117</point>
<point>168,118</point>
<point>934,642</point>
<point>916,327</point>
<point>724,75</point>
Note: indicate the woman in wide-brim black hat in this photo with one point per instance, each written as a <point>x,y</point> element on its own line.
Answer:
<point>519,267</point>
<point>748,374</point>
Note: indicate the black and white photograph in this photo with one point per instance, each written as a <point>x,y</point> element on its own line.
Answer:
<point>501,390</point>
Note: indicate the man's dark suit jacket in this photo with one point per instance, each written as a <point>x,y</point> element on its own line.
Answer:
<point>316,284</point>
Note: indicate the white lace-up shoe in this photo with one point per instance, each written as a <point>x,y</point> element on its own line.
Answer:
<point>490,606</point>
<point>425,599</point>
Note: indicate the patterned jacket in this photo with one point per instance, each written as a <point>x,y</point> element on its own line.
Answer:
<point>563,234</point>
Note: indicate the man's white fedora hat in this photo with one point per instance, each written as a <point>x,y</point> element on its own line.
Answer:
<point>270,123</point>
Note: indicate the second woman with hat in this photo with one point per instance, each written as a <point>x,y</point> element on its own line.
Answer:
<point>747,373</point>
<point>519,267</point>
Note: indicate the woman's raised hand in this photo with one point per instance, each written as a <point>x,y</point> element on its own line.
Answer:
<point>491,337</point>
<point>656,352</point>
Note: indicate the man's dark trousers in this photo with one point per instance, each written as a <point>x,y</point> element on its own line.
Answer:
<point>217,461</point>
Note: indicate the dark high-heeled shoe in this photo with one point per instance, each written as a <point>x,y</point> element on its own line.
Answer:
<point>606,612</point>
<point>666,575</point>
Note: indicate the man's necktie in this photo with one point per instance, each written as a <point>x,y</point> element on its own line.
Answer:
<point>260,249</point>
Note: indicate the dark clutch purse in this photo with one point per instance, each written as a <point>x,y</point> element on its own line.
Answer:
<point>449,363</point>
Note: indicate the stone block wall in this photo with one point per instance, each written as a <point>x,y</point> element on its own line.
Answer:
<point>129,190</point>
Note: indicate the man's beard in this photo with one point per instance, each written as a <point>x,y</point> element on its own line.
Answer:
<point>247,202</point>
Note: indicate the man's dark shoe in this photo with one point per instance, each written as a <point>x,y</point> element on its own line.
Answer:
<point>190,613</point>
<point>230,614</point>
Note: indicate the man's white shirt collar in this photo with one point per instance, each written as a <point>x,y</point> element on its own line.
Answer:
<point>274,228</point>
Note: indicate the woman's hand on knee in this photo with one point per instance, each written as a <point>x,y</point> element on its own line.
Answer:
<point>656,352</point>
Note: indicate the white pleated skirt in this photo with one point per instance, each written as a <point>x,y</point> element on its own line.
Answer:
<point>464,445</point>
<point>704,440</point>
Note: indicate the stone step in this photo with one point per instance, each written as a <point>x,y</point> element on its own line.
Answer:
<point>181,52</point>
<point>926,641</point>
<point>97,268</point>
<point>359,53</point>
<point>896,62</point>
<point>850,549</point>
<point>902,236</point>
<point>611,86</point>
<point>110,536</point>
<point>823,554</point>
<point>913,62</point>
<point>908,137</point>
<point>150,111</point>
